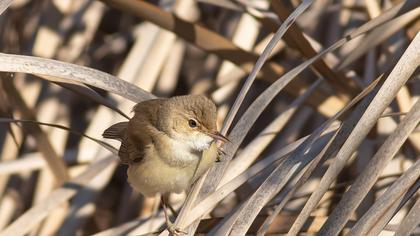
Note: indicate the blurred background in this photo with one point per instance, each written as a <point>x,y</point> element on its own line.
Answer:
<point>175,47</point>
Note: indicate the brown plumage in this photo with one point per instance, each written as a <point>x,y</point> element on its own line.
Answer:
<point>168,143</point>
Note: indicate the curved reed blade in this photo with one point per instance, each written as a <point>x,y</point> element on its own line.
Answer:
<point>398,77</point>
<point>364,182</point>
<point>64,72</point>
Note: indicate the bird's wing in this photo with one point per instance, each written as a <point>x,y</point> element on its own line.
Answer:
<point>130,153</point>
<point>135,135</point>
<point>136,141</point>
<point>141,127</point>
<point>116,131</point>
<point>132,148</point>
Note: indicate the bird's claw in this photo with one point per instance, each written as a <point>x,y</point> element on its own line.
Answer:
<point>175,230</point>
<point>220,152</point>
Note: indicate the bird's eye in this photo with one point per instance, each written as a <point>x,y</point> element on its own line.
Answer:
<point>192,123</point>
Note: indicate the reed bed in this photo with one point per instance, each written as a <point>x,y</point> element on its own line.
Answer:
<point>320,101</point>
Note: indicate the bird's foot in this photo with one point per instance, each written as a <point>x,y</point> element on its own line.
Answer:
<point>175,230</point>
<point>220,152</point>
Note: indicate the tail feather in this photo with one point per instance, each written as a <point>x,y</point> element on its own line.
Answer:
<point>115,131</point>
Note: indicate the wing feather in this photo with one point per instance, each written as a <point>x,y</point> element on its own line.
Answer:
<point>136,135</point>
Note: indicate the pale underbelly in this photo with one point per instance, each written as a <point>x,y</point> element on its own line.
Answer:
<point>152,177</point>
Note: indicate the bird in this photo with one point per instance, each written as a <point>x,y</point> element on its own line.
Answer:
<point>168,144</point>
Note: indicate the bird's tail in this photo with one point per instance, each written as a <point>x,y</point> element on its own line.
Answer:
<point>116,131</point>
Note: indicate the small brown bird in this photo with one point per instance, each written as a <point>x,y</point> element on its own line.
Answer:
<point>168,144</point>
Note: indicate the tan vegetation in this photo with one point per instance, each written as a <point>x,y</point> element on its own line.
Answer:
<point>319,99</point>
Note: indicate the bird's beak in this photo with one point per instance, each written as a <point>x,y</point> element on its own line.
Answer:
<point>218,136</point>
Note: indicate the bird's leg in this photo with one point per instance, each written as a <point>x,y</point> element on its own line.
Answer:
<point>220,152</point>
<point>171,227</point>
<point>165,199</point>
<point>172,210</point>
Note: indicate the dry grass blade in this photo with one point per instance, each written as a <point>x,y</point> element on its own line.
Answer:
<point>34,161</point>
<point>249,210</point>
<point>58,71</point>
<point>251,152</point>
<point>136,227</point>
<point>56,164</point>
<point>380,34</point>
<point>260,62</point>
<point>214,43</point>
<point>410,221</point>
<point>28,162</point>
<point>295,38</point>
<point>346,128</point>
<point>37,213</point>
<point>240,130</point>
<point>229,226</point>
<point>387,199</point>
<point>248,82</point>
<point>354,101</point>
<point>393,12</point>
<point>196,34</point>
<point>210,201</point>
<point>398,77</point>
<point>364,182</point>
<point>294,184</point>
<point>85,197</point>
<point>80,66</point>
<point>223,3</point>
<point>279,177</point>
<point>100,142</point>
<point>396,206</point>
<point>394,114</point>
<point>4,4</point>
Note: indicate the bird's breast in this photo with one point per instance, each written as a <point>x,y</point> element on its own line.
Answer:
<point>170,168</point>
<point>154,175</point>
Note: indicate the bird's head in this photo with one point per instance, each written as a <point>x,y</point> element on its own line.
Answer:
<point>191,119</point>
